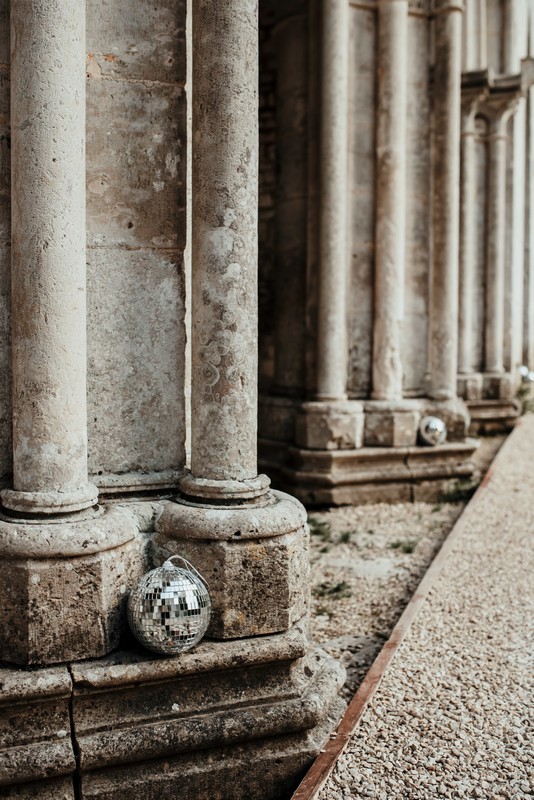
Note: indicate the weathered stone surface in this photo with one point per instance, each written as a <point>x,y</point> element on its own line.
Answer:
<point>65,586</point>
<point>330,426</point>
<point>276,418</point>
<point>237,570</point>
<point>124,734</point>
<point>55,789</point>
<point>135,193</point>
<point>499,387</point>
<point>139,41</point>
<point>391,425</point>
<point>136,421</point>
<point>35,740</point>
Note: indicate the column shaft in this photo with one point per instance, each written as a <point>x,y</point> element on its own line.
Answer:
<point>512,37</point>
<point>332,322</point>
<point>48,258</point>
<point>224,247</point>
<point>390,199</point>
<point>494,329</point>
<point>468,225</point>
<point>443,348</point>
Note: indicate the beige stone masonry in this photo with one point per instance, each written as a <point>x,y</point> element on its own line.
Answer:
<point>67,563</point>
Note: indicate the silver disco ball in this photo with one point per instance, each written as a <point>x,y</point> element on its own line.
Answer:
<point>526,375</point>
<point>169,609</point>
<point>432,431</point>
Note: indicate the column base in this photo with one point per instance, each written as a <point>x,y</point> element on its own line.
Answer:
<point>370,474</point>
<point>469,387</point>
<point>334,425</point>
<point>64,584</point>
<point>391,424</point>
<point>490,417</point>
<point>253,557</point>
<point>50,503</point>
<point>454,414</point>
<point>240,720</point>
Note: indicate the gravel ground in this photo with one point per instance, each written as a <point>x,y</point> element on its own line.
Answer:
<point>367,562</point>
<point>450,719</point>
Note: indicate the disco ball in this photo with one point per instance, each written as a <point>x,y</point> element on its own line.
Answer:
<point>526,375</point>
<point>169,609</point>
<point>432,431</point>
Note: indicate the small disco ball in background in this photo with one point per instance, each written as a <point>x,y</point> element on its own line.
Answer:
<point>526,375</point>
<point>432,431</point>
<point>169,609</point>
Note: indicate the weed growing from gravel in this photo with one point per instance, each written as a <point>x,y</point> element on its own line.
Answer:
<point>344,536</point>
<point>405,546</point>
<point>335,591</point>
<point>319,527</point>
<point>437,508</point>
<point>460,492</point>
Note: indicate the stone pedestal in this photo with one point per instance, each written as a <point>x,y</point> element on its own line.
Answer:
<point>390,424</point>
<point>330,426</point>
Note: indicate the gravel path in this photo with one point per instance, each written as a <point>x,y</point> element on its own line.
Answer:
<point>367,562</point>
<point>450,719</point>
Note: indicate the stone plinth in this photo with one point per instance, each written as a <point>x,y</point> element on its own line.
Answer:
<point>389,424</point>
<point>36,754</point>
<point>245,553</point>
<point>330,426</point>
<point>470,387</point>
<point>65,584</point>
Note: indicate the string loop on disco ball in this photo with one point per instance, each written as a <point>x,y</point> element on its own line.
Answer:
<point>432,431</point>
<point>169,609</point>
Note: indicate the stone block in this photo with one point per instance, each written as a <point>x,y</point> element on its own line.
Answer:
<point>136,419</point>
<point>276,418</point>
<point>205,724</point>
<point>255,561</point>
<point>469,387</point>
<point>330,426</point>
<point>65,586</point>
<point>454,414</point>
<point>499,387</point>
<point>256,586</point>
<point>393,427</point>
<point>35,734</point>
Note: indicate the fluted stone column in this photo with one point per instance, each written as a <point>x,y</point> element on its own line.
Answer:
<point>390,420</point>
<point>64,582</point>
<point>469,382</point>
<point>331,422</point>
<point>249,543</point>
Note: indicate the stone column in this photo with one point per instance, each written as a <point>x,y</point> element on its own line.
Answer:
<point>249,543</point>
<point>48,258</point>
<point>512,36</point>
<point>528,317</point>
<point>54,608</point>
<point>331,422</point>
<point>390,420</point>
<point>469,382</point>
<point>443,323</point>
<point>495,247</point>
<point>390,201</point>
<point>443,350</point>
